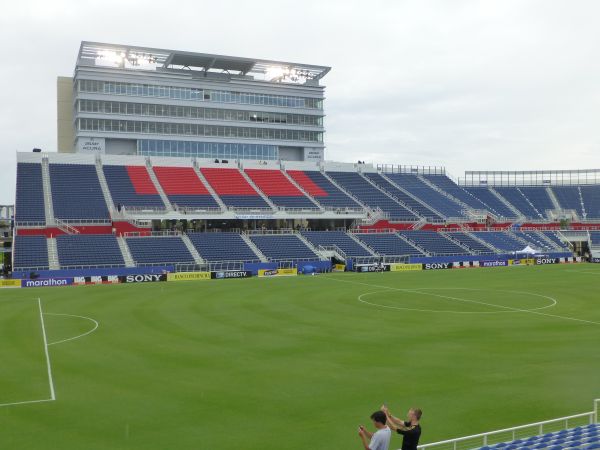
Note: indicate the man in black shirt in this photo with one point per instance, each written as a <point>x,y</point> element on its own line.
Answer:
<point>410,429</point>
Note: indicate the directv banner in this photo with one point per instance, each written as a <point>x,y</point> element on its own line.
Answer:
<point>187,276</point>
<point>231,274</point>
<point>139,278</point>
<point>46,282</point>
<point>10,283</point>
<point>372,267</point>
<point>104,279</point>
<point>405,267</point>
<point>541,261</point>
<point>503,263</point>
<point>437,266</point>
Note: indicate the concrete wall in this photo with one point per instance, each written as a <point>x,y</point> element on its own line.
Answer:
<point>64,113</point>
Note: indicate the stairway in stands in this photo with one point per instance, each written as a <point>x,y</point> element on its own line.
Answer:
<point>48,206</point>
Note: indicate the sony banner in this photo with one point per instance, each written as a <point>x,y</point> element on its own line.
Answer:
<point>541,261</point>
<point>100,279</point>
<point>142,278</point>
<point>231,274</point>
<point>46,282</point>
<point>437,266</point>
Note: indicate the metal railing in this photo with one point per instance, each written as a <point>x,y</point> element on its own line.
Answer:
<point>510,434</point>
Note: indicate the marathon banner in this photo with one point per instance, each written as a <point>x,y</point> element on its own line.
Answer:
<point>542,261</point>
<point>188,276</point>
<point>102,279</point>
<point>142,278</point>
<point>277,272</point>
<point>399,267</point>
<point>231,274</point>
<point>10,283</point>
<point>46,282</point>
<point>496,263</point>
<point>437,266</point>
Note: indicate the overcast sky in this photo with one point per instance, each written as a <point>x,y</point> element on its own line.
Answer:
<point>470,85</point>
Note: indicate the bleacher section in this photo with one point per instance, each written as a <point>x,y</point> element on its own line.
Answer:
<point>493,203</point>
<point>232,188</point>
<point>368,194</point>
<point>279,189</point>
<point>159,250</point>
<point>586,437</point>
<point>470,242</point>
<point>568,198</point>
<point>402,196</point>
<point>283,247</point>
<point>222,247</point>
<point>29,206</point>
<point>514,196</point>
<point>427,194</point>
<point>338,238</point>
<point>591,201</point>
<point>388,244</point>
<point>184,189</point>
<point>88,250</point>
<point>323,190</point>
<point>30,252</point>
<point>539,198</point>
<point>536,240</point>
<point>595,237</point>
<point>500,240</point>
<point>434,243</point>
<point>132,187</point>
<point>553,236</point>
<point>450,187</point>
<point>76,193</point>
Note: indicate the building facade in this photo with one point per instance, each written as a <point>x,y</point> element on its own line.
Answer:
<point>154,102</point>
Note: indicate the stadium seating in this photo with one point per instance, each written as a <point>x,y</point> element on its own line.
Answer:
<point>283,247</point>
<point>222,247</point>
<point>553,236</point>
<point>131,187</point>
<point>29,206</point>
<point>183,188</point>
<point>388,244</point>
<point>493,203</point>
<point>591,201</point>
<point>159,250</point>
<point>434,243</point>
<point>30,252</point>
<point>354,183</point>
<point>76,193</point>
<point>536,240</point>
<point>232,188</point>
<point>416,206</point>
<point>568,197</point>
<point>427,194</point>
<point>539,198</point>
<point>516,198</point>
<point>470,242</point>
<point>585,437</point>
<point>501,240</point>
<point>88,250</point>
<point>323,190</point>
<point>338,238</point>
<point>275,185</point>
<point>595,237</point>
<point>449,186</point>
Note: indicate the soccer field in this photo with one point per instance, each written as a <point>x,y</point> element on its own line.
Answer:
<point>298,362</point>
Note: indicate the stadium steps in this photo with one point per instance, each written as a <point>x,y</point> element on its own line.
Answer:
<point>544,237</point>
<point>254,248</point>
<point>508,204</point>
<point>309,244</point>
<point>451,197</point>
<point>157,186</point>
<point>541,216</point>
<point>457,242</point>
<point>362,244</point>
<point>301,189</point>
<point>104,185</point>
<point>53,262</point>
<point>48,205</point>
<point>209,188</point>
<point>258,191</point>
<point>582,202</point>
<point>390,195</point>
<point>482,242</point>
<point>414,197</point>
<point>553,198</point>
<point>348,193</point>
<point>186,240</point>
<point>129,262</point>
<point>414,244</point>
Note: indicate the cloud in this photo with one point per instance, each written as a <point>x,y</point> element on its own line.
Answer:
<point>471,85</point>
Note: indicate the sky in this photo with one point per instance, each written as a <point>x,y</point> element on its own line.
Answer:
<point>469,85</point>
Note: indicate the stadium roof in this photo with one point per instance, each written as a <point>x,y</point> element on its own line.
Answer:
<point>147,58</point>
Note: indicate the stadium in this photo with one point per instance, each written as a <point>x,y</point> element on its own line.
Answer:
<point>188,262</point>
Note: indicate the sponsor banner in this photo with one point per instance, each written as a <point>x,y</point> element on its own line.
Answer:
<point>595,260</point>
<point>496,263</point>
<point>542,261</point>
<point>142,278</point>
<point>10,283</point>
<point>372,267</point>
<point>475,263</point>
<point>277,272</point>
<point>520,262</point>
<point>287,272</point>
<point>46,282</point>
<point>398,267</point>
<point>339,267</point>
<point>231,274</point>
<point>100,279</point>
<point>437,266</point>
<point>187,276</point>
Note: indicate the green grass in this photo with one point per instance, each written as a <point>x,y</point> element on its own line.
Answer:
<point>296,363</point>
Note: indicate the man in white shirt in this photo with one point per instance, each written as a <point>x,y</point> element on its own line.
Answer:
<point>380,440</point>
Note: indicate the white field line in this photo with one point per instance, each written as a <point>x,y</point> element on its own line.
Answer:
<point>470,301</point>
<point>96,324</point>
<point>50,380</point>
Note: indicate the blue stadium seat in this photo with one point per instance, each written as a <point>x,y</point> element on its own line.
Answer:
<point>29,205</point>
<point>131,186</point>
<point>159,250</point>
<point>449,186</point>
<point>493,203</point>
<point>591,201</point>
<point>470,242</point>
<point>283,247</point>
<point>88,250</point>
<point>338,238</point>
<point>500,240</point>
<point>30,252</point>
<point>388,244</point>
<point>568,197</point>
<point>222,247</point>
<point>434,243</point>
<point>323,190</point>
<point>516,198</point>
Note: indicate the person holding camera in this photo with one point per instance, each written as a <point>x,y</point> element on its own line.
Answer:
<point>380,440</point>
